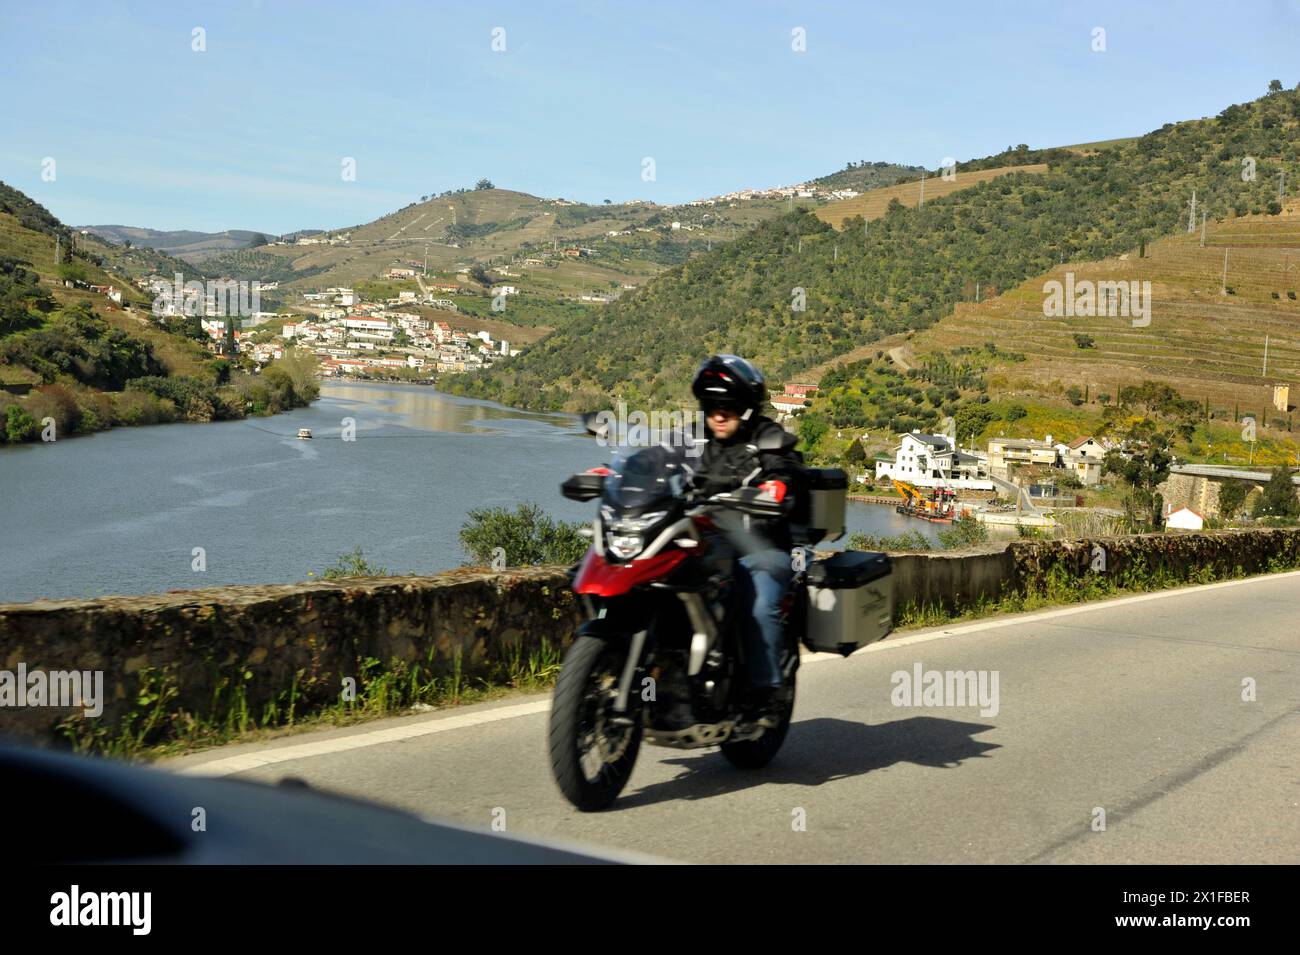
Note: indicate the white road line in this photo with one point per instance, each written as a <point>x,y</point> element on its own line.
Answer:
<point>268,757</point>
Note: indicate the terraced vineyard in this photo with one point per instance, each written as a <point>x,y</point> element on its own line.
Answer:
<point>872,204</point>
<point>1206,336</point>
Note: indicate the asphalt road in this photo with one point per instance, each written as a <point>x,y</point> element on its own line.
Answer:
<point>1133,706</point>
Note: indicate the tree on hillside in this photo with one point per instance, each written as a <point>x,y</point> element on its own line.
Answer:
<point>1232,495</point>
<point>1275,86</point>
<point>1143,465</point>
<point>972,420</point>
<point>484,184</point>
<point>1279,497</point>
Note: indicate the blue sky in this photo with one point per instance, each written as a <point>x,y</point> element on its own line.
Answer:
<point>252,132</point>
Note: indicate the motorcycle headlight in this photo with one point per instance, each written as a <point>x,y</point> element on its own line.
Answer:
<point>627,537</point>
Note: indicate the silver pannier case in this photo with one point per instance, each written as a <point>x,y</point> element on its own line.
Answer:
<point>827,488</point>
<point>850,601</point>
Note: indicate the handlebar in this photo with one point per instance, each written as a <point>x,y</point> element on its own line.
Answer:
<point>748,500</point>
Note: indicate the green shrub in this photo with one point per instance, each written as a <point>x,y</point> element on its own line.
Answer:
<point>353,565</point>
<point>19,425</point>
<point>527,536</point>
<point>909,540</point>
<point>964,532</point>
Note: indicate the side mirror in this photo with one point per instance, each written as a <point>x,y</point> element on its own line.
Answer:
<point>597,423</point>
<point>583,487</point>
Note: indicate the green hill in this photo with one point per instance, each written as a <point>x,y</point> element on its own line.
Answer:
<point>865,175</point>
<point>906,270</point>
<point>70,353</point>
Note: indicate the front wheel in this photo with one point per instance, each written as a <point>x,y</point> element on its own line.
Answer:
<point>591,758</point>
<point>757,753</point>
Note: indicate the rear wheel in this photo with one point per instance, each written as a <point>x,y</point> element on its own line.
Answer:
<point>757,753</point>
<point>591,758</point>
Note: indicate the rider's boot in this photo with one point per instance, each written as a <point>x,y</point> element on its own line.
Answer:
<point>762,707</point>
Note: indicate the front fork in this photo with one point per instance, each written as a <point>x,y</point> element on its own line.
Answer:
<point>613,620</point>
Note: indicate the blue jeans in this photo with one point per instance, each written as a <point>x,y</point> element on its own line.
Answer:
<point>762,579</point>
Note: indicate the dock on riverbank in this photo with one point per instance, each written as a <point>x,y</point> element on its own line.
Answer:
<point>874,498</point>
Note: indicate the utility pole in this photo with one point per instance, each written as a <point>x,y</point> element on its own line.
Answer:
<point>1223,285</point>
<point>1191,218</point>
<point>977,291</point>
<point>1202,228</point>
<point>1265,356</point>
<point>921,202</point>
<point>1281,185</point>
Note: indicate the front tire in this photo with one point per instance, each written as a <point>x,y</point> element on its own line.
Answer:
<point>757,753</point>
<point>591,759</point>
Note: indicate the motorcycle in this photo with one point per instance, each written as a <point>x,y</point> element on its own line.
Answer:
<point>660,657</point>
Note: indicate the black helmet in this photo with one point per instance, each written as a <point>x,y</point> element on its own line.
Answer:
<point>730,380</point>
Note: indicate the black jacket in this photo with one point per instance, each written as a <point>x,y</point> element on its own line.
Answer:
<point>727,465</point>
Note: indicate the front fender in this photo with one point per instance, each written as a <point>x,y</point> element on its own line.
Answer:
<point>618,619</point>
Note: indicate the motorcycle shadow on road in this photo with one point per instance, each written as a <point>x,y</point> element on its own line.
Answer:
<point>820,751</point>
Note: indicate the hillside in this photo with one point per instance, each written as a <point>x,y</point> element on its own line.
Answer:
<point>70,353</point>
<point>872,205</point>
<point>865,175</point>
<point>1065,375</point>
<point>500,226</point>
<point>1205,337</point>
<point>906,270</point>
<point>192,247</point>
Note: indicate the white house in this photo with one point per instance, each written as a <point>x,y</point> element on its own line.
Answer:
<point>368,328</point>
<point>1185,519</point>
<point>931,460</point>
<point>788,403</point>
<point>1083,458</point>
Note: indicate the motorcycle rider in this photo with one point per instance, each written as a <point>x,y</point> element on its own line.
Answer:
<point>732,392</point>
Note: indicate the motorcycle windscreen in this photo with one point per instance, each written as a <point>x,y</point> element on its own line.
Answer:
<point>645,478</point>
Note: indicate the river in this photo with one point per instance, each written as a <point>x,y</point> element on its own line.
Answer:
<point>121,512</point>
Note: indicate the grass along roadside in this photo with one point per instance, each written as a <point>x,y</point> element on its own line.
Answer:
<point>395,688</point>
<point>1062,589</point>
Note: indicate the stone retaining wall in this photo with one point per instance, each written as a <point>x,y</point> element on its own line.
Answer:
<point>269,639</point>
<point>307,638</point>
